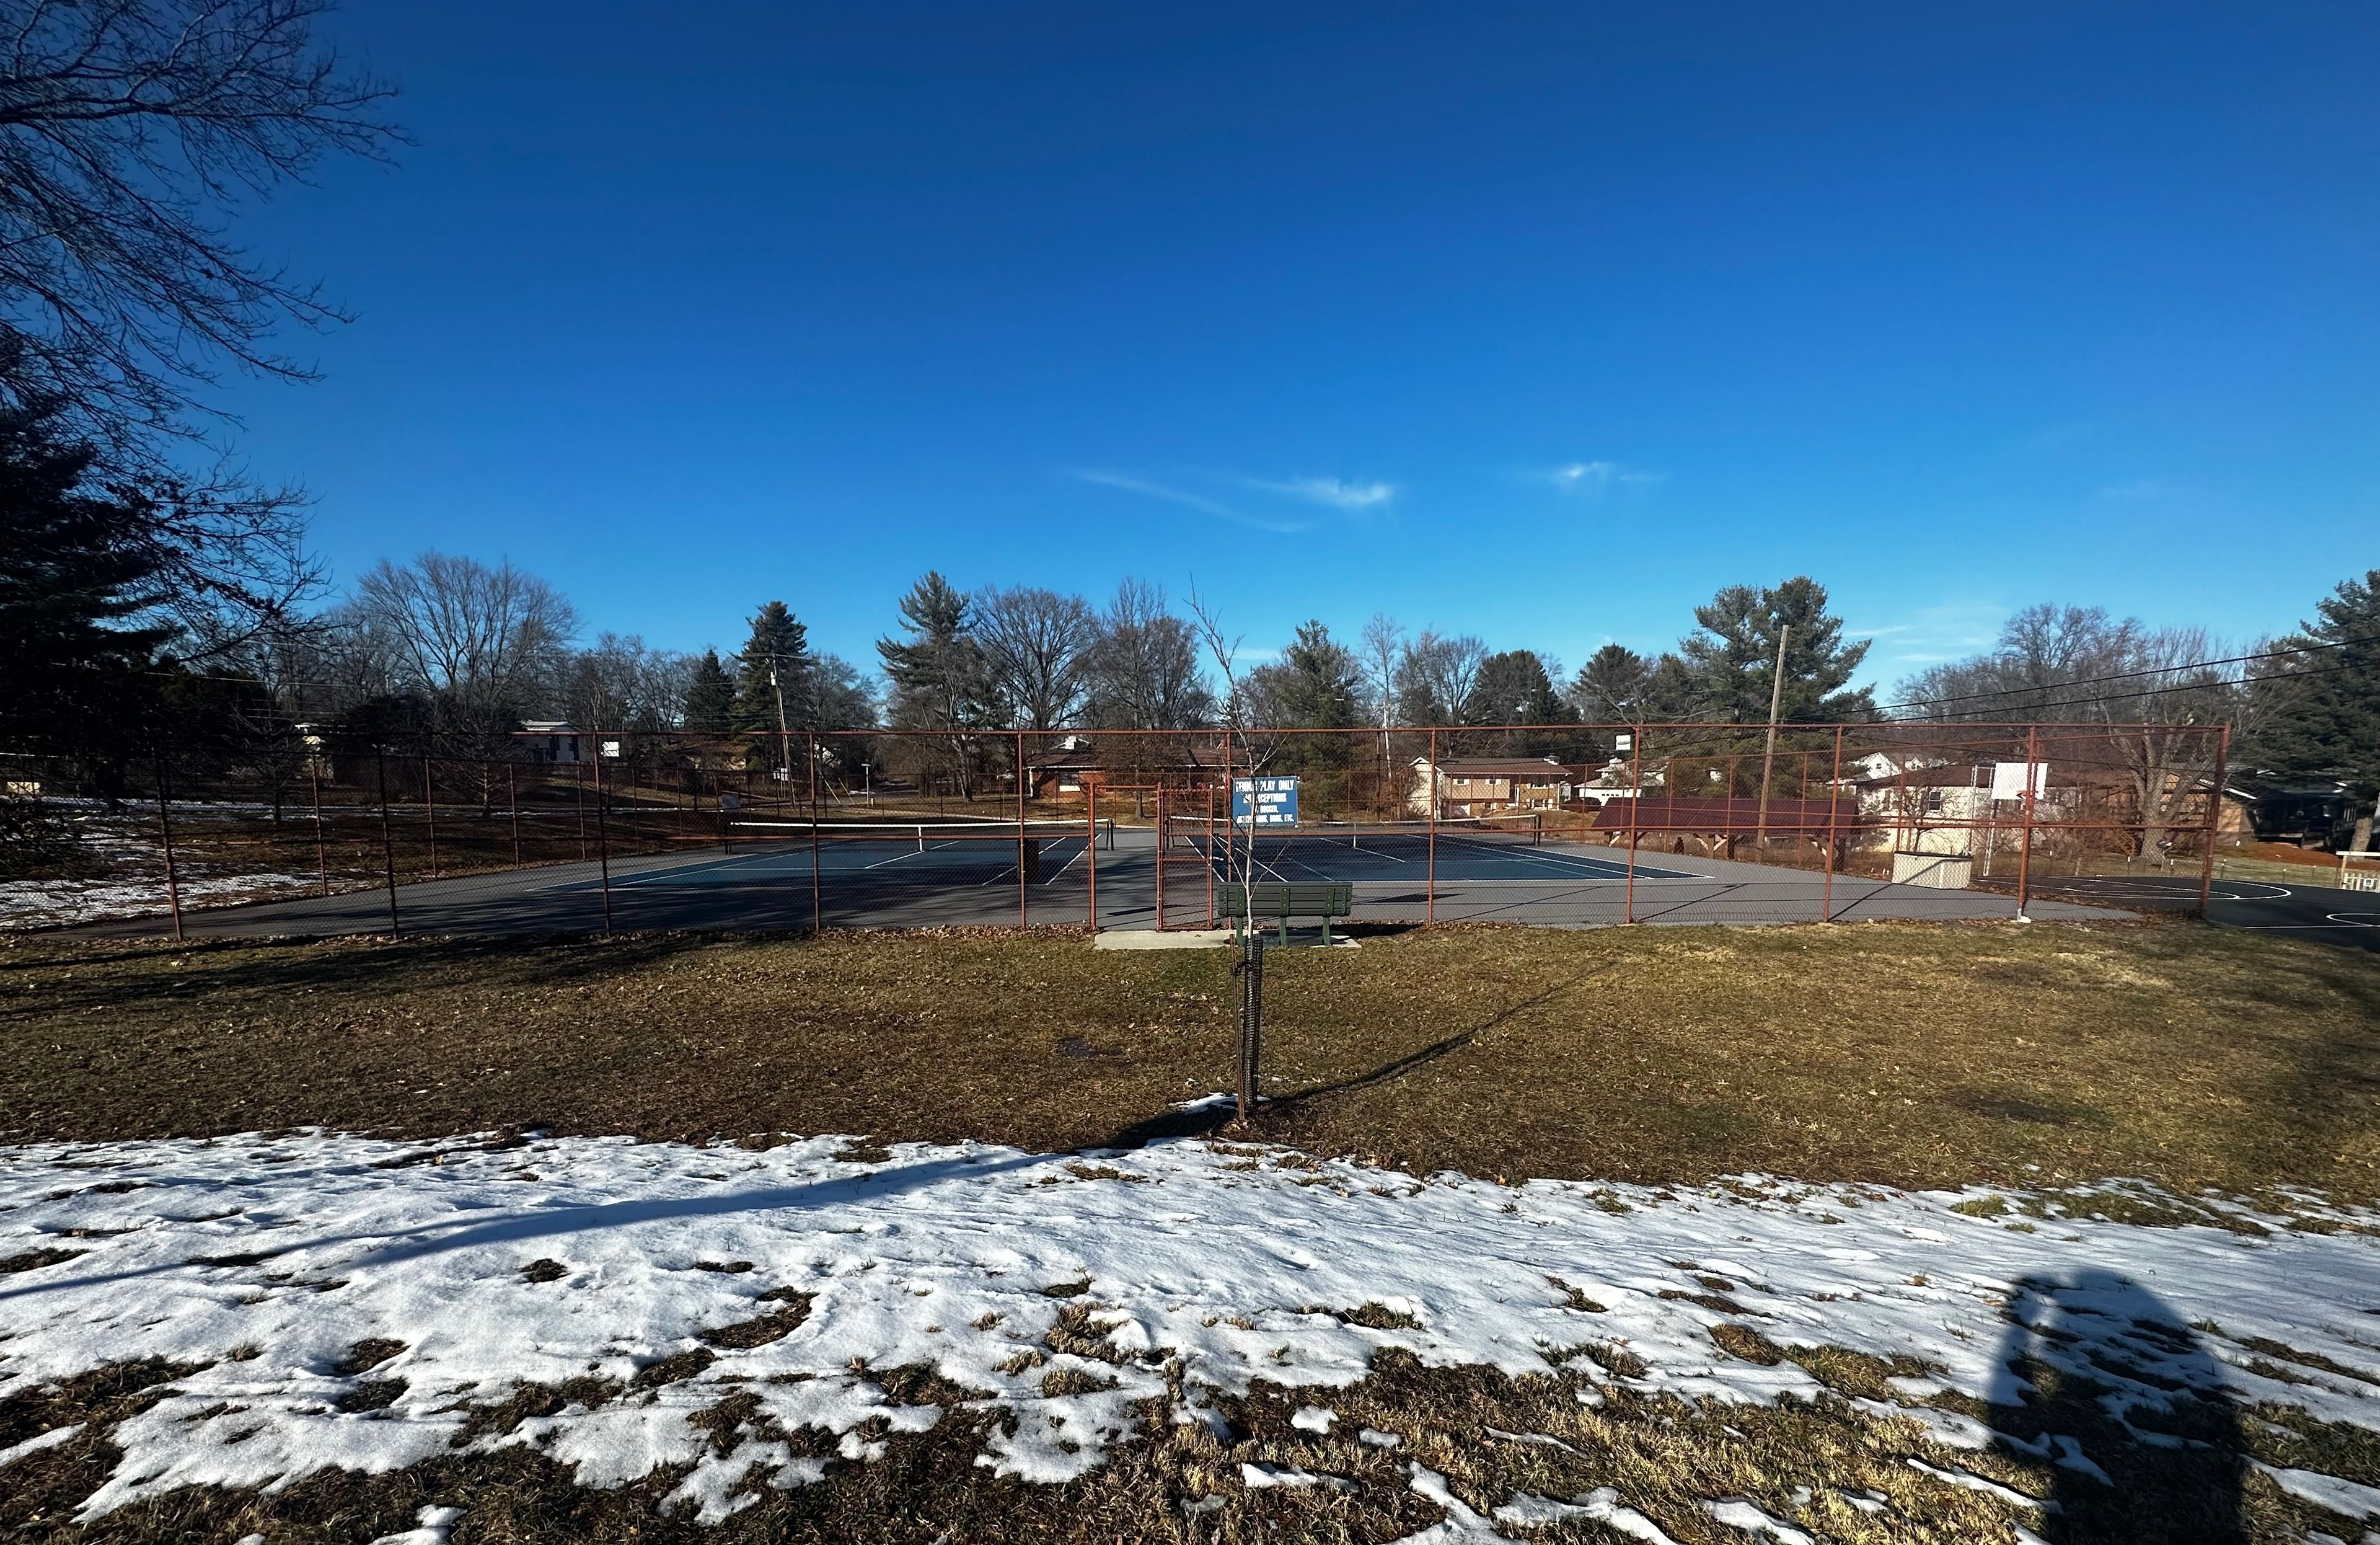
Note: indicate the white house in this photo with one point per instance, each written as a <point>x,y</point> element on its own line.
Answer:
<point>554,740</point>
<point>1478,786</point>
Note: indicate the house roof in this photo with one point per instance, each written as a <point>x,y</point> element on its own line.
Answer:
<point>1502,767</point>
<point>1668,813</point>
<point>1133,751</point>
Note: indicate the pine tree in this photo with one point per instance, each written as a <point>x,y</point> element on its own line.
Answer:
<point>938,681</point>
<point>709,697</point>
<point>76,569</point>
<point>1515,689</point>
<point>1611,686</point>
<point>1732,657</point>
<point>776,658</point>
<point>1322,685</point>
<point>2320,714</point>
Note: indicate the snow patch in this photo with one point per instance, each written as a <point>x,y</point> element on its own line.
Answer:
<point>269,1260</point>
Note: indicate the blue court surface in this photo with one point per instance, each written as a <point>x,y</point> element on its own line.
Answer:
<point>1403,859</point>
<point>891,860</point>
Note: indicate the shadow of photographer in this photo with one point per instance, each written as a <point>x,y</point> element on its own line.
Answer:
<point>2101,1379</point>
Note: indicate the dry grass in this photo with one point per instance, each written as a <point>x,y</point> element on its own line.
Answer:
<point>1902,1055</point>
<point>1906,1055</point>
<point>1814,1464</point>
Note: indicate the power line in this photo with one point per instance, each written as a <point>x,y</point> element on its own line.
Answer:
<point>2036,708</point>
<point>2134,675</point>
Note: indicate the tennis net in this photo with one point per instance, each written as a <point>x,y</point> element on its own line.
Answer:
<point>924,836</point>
<point>1387,839</point>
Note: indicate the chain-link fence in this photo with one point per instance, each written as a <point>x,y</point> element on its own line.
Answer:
<point>1559,825</point>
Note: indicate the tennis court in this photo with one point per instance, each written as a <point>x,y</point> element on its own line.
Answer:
<point>1400,853</point>
<point>928,853</point>
<point>777,876</point>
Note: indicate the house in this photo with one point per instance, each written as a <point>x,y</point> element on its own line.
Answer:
<point>1162,759</point>
<point>1612,782</point>
<point>1477,785</point>
<point>2320,813</point>
<point>554,740</point>
<point>1943,810</point>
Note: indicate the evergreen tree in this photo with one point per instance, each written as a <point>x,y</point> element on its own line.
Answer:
<point>1516,688</point>
<point>939,682</point>
<point>1731,658</point>
<point>775,659</point>
<point>1322,683</point>
<point>2319,714</point>
<point>709,697</point>
<point>1610,687</point>
<point>938,675</point>
<point>75,570</point>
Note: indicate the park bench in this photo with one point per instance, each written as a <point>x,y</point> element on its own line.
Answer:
<point>1281,901</point>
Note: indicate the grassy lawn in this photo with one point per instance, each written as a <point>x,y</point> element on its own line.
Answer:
<point>1902,1054</point>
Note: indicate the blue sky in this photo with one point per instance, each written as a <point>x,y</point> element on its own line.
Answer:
<point>1537,322</point>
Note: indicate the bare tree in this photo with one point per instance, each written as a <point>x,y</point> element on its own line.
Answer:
<point>129,130</point>
<point>622,684</point>
<point>1037,645</point>
<point>483,643</point>
<point>1438,677</point>
<point>2076,665</point>
<point>1381,645</point>
<point>1145,667</point>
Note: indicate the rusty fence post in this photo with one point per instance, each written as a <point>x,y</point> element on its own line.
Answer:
<point>512,804</point>
<point>1636,799</point>
<point>1429,871</point>
<point>166,833</point>
<point>2025,853</point>
<point>387,839</point>
<point>322,858</point>
<point>1091,851</point>
<point>1024,879</point>
<point>2214,819</point>
<point>818,897</point>
<point>430,808</point>
<point>1834,829</point>
<point>1161,834</point>
<point>603,840</point>
<point>1210,857</point>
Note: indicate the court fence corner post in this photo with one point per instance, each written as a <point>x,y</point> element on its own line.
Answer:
<point>165,835</point>
<point>2214,819</point>
<point>818,900</point>
<point>1834,830</point>
<point>387,839</point>
<point>1091,849</point>
<point>603,839</point>
<point>2024,852</point>
<point>1430,866</point>
<point>1635,807</point>
<point>1024,876</point>
<point>322,855</point>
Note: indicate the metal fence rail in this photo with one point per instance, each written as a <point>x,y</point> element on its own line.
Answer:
<point>1566,824</point>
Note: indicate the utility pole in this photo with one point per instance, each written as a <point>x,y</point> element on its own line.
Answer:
<point>785,738</point>
<point>1768,757</point>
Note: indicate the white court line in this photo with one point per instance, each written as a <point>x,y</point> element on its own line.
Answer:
<point>2289,927</point>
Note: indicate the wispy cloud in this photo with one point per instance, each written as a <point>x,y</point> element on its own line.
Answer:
<point>1927,636</point>
<point>1187,500</point>
<point>1337,492</point>
<point>1593,480</point>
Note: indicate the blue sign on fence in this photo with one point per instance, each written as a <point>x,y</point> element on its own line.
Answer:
<point>1264,801</point>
